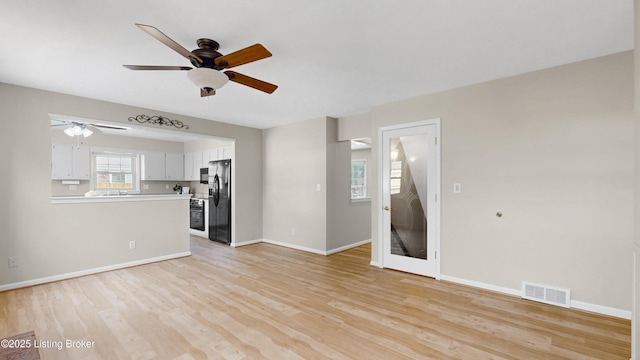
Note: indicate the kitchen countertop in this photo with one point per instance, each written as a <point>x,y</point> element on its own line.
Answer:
<point>116,198</point>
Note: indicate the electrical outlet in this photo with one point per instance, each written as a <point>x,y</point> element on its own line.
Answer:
<point>73,187</point>
<point>145,186</point>
<point>293,231</point>
<point>166,187</point>
<point>457,188</point>
<point>132,244</point>
<point>13,262</point>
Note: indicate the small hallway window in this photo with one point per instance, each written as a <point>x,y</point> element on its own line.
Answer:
<point>358,179</point>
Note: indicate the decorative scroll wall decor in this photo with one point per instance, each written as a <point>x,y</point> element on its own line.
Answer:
<point>159,120</point>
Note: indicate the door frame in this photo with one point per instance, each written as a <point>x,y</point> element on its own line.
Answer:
<point>380,211</point>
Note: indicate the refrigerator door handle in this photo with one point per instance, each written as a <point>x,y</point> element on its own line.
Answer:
<point>216,190</point>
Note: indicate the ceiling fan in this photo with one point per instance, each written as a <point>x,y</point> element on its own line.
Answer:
<point>74,128</point>
<point>209,63</point>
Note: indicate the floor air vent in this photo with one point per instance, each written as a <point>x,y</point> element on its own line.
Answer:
<point>546,294</point>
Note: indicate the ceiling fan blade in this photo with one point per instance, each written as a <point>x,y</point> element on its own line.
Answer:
<point>204,93</point>
<point>160,36</point>
<point>154,67</point>
<point>240,57</point>
<point>251,82</point>
<point>93,128</point>
<point>113,127</point>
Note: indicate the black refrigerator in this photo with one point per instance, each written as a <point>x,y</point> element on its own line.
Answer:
<point>220,201</point>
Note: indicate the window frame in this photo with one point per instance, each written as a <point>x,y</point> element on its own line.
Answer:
<point>136,170</point>
<point>364,177</point>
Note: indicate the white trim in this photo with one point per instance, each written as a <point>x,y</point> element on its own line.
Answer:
<point>297,247</point>
<point>292,246</point>
<point>433,122</point>
<point>347,247</point>
<point>75,274</point>
<point>476,284</point>
<point>375,264</point>
<point>245,243</point>
<point>600,309</point>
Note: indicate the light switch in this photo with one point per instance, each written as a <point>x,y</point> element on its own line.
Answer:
<point>457,188</point>
<point>318,187</point>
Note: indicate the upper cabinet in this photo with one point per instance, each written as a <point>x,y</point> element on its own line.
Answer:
<point>162,166</point>
<point>221,153</point>
<point>70,162</point>
<point>189,167</point>
<point>194,161</point>
<point>153,166</point>
<point>174,166</point>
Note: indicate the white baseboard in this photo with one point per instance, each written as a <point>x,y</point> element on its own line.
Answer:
<point>347,247</point>
<point>604,310</point>
<point>293,246</point>
<point>75,274</point>
<point>500,289</point>
<point>245,243</point>
<point>376,264</point>
<point>316,251</point>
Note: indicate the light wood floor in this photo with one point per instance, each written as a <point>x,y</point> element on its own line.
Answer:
<point>266,301</point>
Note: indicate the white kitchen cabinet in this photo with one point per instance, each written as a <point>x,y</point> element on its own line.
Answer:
<point>70,162</point>
<point>202,161</point>
<point>162,166</point>
<point>174,166</point>
<point>213,155</point>
<point>227,152</point>
<point>153,166</point>
<point>221,153</point>
<point>189,166</point>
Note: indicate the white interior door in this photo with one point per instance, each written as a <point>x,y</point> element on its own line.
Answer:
<point>410,189</point>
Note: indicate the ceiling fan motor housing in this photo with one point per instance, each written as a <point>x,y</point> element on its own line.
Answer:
<point>207,51</point>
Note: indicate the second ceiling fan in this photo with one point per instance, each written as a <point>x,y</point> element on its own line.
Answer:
<point>209,63</point>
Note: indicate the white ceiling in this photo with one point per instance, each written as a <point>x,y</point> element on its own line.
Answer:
<point>330,57</point>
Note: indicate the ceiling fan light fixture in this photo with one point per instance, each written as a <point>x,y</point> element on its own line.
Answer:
<point>69,131</point>
<point>77,130</point>
<point>207,79</point>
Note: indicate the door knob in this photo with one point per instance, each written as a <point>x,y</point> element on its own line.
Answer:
<point>388,208</point>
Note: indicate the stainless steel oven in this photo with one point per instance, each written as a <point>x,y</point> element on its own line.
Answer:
<point>196,217</point>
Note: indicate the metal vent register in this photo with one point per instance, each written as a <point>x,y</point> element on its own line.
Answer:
<point>546,294</point>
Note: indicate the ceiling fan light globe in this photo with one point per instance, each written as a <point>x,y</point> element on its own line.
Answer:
<point>69,131</point>
<point>207,78</point>
<point>86,132</point>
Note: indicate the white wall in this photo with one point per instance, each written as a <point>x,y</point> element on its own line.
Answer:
<point>635,323</point>
<point>361,209</point>
<point>295,163</point>
<point>38,232</point>
<point>347,221</point>
<point>356,126</point>
<point>298,158</point>
<point>553,150</point>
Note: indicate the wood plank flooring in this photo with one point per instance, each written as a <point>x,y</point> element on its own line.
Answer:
<point>268,302</point>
